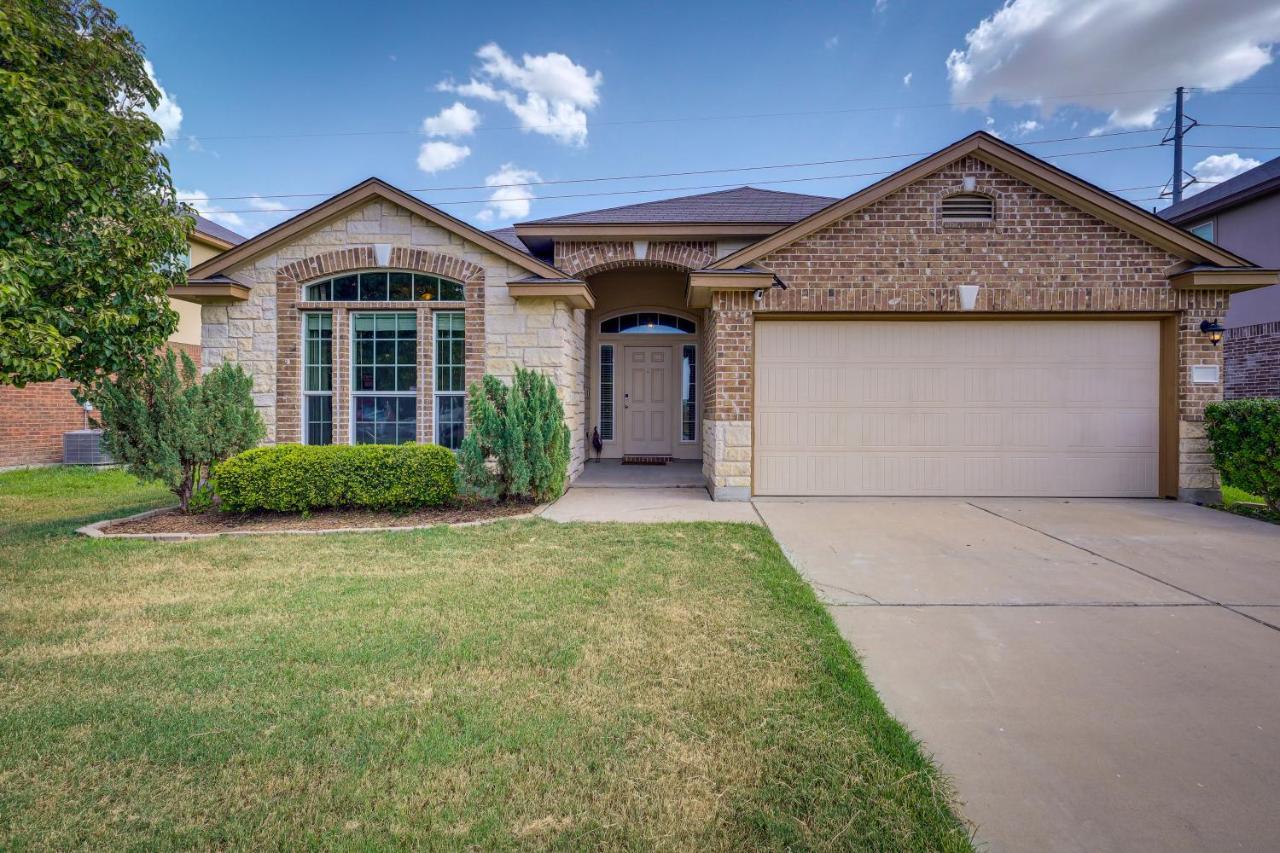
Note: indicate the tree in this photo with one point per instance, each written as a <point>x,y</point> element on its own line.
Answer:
<point>91,234</point>
<point>174,427</point>
<point>517,444</point>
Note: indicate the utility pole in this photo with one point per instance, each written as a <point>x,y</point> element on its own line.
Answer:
<point>1181,124</point>
<point>1176,185</point>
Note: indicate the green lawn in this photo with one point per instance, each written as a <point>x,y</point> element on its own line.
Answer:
<point>522,684</point>
<point>1232,496</point>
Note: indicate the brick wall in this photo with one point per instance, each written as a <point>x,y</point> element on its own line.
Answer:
<point>1252,361</point>
<point>1039,255</point>
<point>588,257</point>
<point>33,419</point>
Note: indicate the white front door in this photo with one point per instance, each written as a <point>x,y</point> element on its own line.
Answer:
<point>647,412</point>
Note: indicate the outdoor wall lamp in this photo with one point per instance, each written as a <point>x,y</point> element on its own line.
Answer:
<point>1213,330</point>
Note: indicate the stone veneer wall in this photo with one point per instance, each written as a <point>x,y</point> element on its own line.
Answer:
<point>1040,255</point>
<point>262,333</point>
<point>1252,355</point>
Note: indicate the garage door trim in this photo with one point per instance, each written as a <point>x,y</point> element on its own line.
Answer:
<point>1167,464</point>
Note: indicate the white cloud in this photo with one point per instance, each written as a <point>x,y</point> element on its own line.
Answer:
<point>437,156</point>
<point>832,43</point>
<point>166,112</point>
<point>549,93</point>
<point>906,79</point>
<point>1121,57</point>
<point>266,205</point>
<point>881,5</point>
<point>452,122</point>
<point>509,202</point>
<point>1025,127</point>
<point>200,201</point>
<point>1217,168</point>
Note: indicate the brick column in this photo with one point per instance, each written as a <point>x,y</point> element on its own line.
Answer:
<point>727,396</point>
<point>1197,477</point>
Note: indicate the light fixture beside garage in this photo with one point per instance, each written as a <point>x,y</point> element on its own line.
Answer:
<point>1213,329</point>
<point>968,296</point>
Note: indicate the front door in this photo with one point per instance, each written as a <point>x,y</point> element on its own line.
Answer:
<point>646,402</point>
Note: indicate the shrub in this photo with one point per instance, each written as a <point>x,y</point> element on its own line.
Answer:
<point>1244,436</point>
<point>299,478</point>
<point>517,444</point>
<point>174,427</point>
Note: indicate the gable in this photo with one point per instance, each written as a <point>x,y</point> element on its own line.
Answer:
<point>1018,164</point>
<point>340,206</point>
<point>1035,241</point>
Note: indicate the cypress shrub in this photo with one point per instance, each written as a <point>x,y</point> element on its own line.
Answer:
<point>517,445</point>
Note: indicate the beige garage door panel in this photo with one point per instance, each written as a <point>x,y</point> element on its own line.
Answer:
<point>1053,408</point>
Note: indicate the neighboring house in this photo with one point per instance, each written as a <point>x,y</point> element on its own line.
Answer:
<point>1243,215</point>
<point>33,419</point>
<point>795,345</point>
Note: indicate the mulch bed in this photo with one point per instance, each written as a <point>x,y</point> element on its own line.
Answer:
<point>173,521</point>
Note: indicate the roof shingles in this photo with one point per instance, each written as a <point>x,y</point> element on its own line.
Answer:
<point>743,204</point>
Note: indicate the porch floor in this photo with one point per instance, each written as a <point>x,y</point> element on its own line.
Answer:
<point>612,474</point>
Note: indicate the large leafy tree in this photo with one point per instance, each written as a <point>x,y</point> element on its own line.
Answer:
<point>91,234</point>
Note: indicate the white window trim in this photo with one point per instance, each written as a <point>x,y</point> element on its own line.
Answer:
<point>436,394</point>
<point>351,371</point>
<point>1212,222</point>
<point>302,380</point>
<point>400,304</point>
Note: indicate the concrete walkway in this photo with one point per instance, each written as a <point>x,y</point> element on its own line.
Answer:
<point>612,474</point>
<point>1095,675</point>
<point>646,505</point>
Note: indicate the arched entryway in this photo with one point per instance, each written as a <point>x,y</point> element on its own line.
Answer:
<point>644,357</point>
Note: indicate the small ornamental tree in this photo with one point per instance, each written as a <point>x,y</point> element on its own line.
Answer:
<point>174,427</point>
<point>91,232</point>
<point>1244,437</point>
<point>517,444</point>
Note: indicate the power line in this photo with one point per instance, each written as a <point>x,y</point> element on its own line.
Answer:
<point>705,186</point>
<point>678,174</point>
<point>673,120</point>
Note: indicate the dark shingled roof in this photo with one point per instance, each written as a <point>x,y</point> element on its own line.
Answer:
<point>508,236</point>
<point>1237,189</point>
<point>213,229</point>
<point>744,204</point>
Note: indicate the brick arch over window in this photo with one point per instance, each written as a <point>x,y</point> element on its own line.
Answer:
<point>582,258</point>
<point>289,281</point>
<point>363,258</point>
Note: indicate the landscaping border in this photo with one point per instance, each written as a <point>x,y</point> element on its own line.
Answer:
<point>97,529</point>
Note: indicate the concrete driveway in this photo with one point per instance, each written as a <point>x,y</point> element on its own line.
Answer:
<point>1094,674</point>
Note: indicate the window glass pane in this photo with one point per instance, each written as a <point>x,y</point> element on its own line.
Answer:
<point>606,393</point>
<point>384,420</point>
<point>648,323</point>
<point>688,395</point>
<point>451,291</point>
<point>345,288</point>
<point>1204,230</point>
<point>319,417</point>
<point>401,285</point>
<point>373,287</point>
<point>449,420</point>
<point>318,292</point>
<point>424,287</point>
<point>386,352</point>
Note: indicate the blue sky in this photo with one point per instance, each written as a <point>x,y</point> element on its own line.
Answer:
<point>606,89</point>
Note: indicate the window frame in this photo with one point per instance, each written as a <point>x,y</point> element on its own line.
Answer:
<point>436,365</point>
<point>667,328</point>
<point>305,362</point>
<point>306,297</point>
<point>691,388</point>
<point>353,392</point>
<point>1212,224</point>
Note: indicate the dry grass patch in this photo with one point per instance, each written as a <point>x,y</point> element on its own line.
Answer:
<point>524,684</point>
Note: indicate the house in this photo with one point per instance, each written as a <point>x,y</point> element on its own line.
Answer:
<point>1243,216</point>
<point>33,419</point>
<point>979,323</point>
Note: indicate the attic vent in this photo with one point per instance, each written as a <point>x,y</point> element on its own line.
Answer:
<point>968,207</point>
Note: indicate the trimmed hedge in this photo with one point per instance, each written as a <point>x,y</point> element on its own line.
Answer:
<point>298,478</point>
<point>1244,437</point>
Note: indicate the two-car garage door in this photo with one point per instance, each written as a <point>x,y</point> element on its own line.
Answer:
<point>957,407</point>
